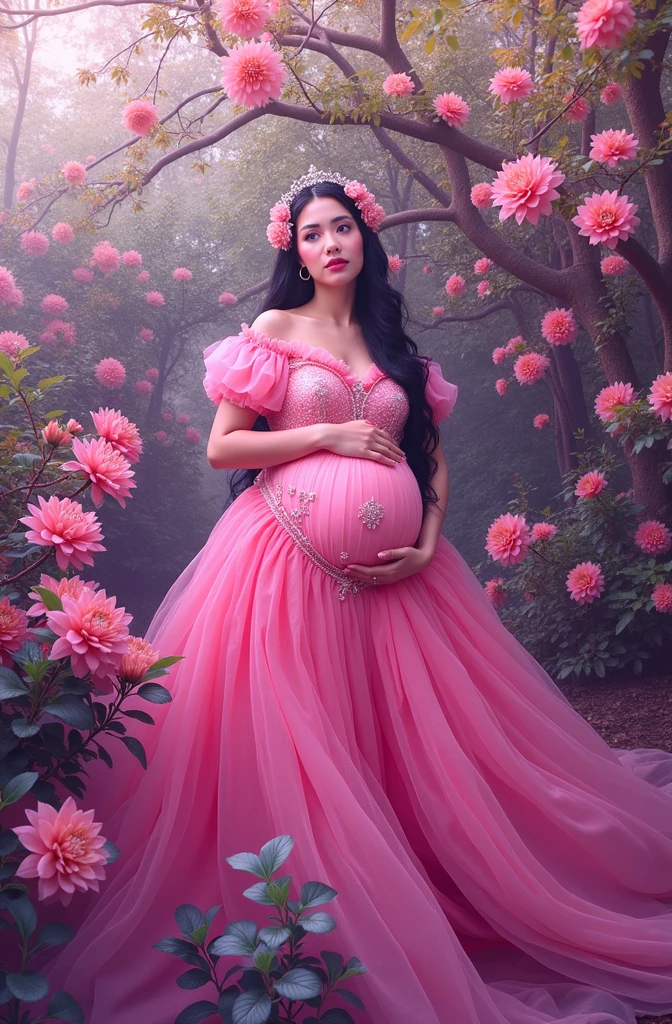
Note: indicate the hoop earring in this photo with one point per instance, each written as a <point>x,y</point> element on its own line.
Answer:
<point>301,275</point>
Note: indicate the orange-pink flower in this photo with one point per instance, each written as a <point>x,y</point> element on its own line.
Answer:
<point>66,851</point>
<point>452,108</point>
<point>590,484</point>
<point>653,537</point>
<point>455,285</point>
<point>244,18</point>
<point>612,146</point>
<point>62,523</point>
<point>279,234</point>
<point>139,117</point>
<point>660,396</point>
<point>55,434</point>
<point>508,539</point>
<point>107,469</point>
<point>611,93</point>
<point>139,658</point>
<point>610,398</point>
<point>544,531</point>
<point>494,588</point>
<point>661,595</point>
<point>614,266</point>
<point>525,188</point>
<point>13,630</point>
<point>93,633</point>
<point>110,373</point>
<point>541,420</point>
<point>604,23</point>
<point>481,195</point>
<point>559,327</point>
<point>398,85</point>
<point>585,582</point>
<point>530,367</point>
<point>252,74</point>
<point>606,218</point>
<point>511,84</point>
<point>70,585</point>
<point>119,431</point>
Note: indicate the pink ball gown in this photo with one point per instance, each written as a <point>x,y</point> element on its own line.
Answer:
<point>496,861</point>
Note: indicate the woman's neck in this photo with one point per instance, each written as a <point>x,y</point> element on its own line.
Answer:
<point>336,306</point>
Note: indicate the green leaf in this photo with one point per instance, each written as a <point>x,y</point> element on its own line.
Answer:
<point>274,935</point>
<point>176,947</point>
<point>50,600</point>
<point>314,893</point>
<point>188,918</point>
<point>247,862</point>
<point>453,42</point>
<point>353,968</point>
<point>18,787</point>
<point>140,716</point>
<point>430,44</point>
<point>10,684</point>
<point>54,933</point>
<point>112,852</point>
<point>274,853</point>
<point>351,997</point>
<point>155,693</point>
<point>29,986</point>
<point>299,983</point>
<point>319,923</point>
<point>197,1012</point>
<point>24,729</point>
<point>136,748</point>
<point>252,1007</point>
<point>63,1006</point>
<point>47,382</point>
<point>72,710</point>
<point>239,939</point>
<point>25,915</point>
<point>623,621</point>
<point>193,978</point>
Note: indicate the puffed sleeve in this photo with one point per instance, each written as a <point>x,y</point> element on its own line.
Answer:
<point>441,394</point>
<point>248,370</point>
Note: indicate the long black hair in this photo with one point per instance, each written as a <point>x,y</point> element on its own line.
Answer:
<point>382,314</point>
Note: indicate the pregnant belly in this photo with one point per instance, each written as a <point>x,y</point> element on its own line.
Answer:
<point>349,509</point>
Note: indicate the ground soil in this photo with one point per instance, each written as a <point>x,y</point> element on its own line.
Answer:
<point>627,712</point>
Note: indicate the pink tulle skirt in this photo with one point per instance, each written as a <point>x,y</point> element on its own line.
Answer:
<point>496,862</point>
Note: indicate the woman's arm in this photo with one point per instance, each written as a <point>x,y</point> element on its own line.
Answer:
<point>234,445</point>
<point>432,522</point>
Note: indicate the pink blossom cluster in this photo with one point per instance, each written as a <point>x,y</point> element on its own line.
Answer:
<point>13,630</point>
<point>579,109</point>
<point>530,367</point>
<point>482,265</point>
<point>59,331</point>
<point>192,436</point>
<point>244,18</point>
<point>653,537</point>
<point>105,257</point>
<point>452,108</point>
<point>74,172</point>
<point>54,304</point>
<point>481,195</point>
<point>661,595</point>
<point>609,400</point>
<point>606,218</point>
<point>604,23</point>
<point>559,327</point>
<point>110,373</point>
<point>398,85</point>
<point>590,484</point>
<point>544,531</point>
<point>62,232</point>
<point>611,93</point>
<point>483,289</point>
<point>455,285</point>
<point>62,523</point>
<point>35,243</point>
<point>139,117</point>
<point>372,212</point>
<point>146,334</point>
<point>143,277</point>
<point>541,421</point>
<point>11,343</point>
<point>25,190</point>
<point>252,74</point>
<point>508,539</point>
<point>395,263</point>
<point>182,274</point>
<point>143,387</point>
<point>83,275</point>
<point>120,432</point>
<point>499,354</point>
<point>494,588</point>
<point>155,298</point>
<point>613,146</point>
<point>660,396</point>
<point>525,188</point>
<point>511,84</point>
<point>438,311</point>
<point>614,266</point>
<point>585,582</point>
<point>103,464</point>
<point>501,385</point>
<point>228,299</point>
<point>11,296</point>
<point>131,258</point>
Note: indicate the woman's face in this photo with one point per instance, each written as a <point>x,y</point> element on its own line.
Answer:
<point>329,242</point>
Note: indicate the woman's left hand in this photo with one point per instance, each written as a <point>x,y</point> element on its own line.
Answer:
<point>396,564</point>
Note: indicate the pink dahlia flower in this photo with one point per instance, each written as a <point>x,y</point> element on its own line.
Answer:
<point>395,263</point>
<point>131,258</point>
<point>152,373</point>
<point>11,343</point>
<point>66,851</point>
<point>70,585</point>
<point>62,523</point>
<point>579,109</point>
<point>530,367</point>
<point>192,436</point>
<point>139,658</point>
<point>452,108</point>
<point>107,469</point>
<point>161,436</point>
<point>110,373</point>
<point>74,172</point>
<point>143,277</point>
<point>482,265</point>
<point>660,396</point>
<point>53,304</point>
<point>611,93</point>
<point>483,289</point>
<point>228,299</point>
<point>525,188</point>
<point>244,18</point>
<point>143,387</point>
<point>614,266</point>
<point>499,355</point>
<point>438,310</point>
<point>455,285</point>
<point>514,345</point>
<point>93,633</point>
<point>585,582</point>
<point>146,334</point>
<point>83,275</point>
<point>252,74</point>
<point>155,298</point>
<point>481,195</point>
<point>55,435</point>
<point>511,84</point>
<point>35,243</point>
<point>182,274</point>
<point>604,23</point>
<point>612,146</point>
<point>25,190</point>
<point>501,386</point>
<point>610,398</point>
<point>661,595</point>
<point>121,433</point>
<point>280,213</point>
<point>166,415</point>
<point>59,330</point>
<point>10,295</point>
<point>13,631</point>
<point>606,218</point>
<point>559,327</point>
<point>105,257</point>
<point>544,531</point>
<point>183,418</point>
<point>653,537</point>
<point>508,539</point>
<point>494,588</point>
<point>590,484</point>
<point>541,420</point>
<point>139,117</point>
<point>62,232</point>
<point>398,85</point>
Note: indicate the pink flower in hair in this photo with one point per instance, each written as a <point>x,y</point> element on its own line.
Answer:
<point>74,172</point>
<point>452,108</point>
<point>252,74</point>
<point>541,421</point>
<point>356,191</point>
<point>611,93</point>
<point>62,232</point>
<point>661,595</point>
<point>606,218</point>
<point>481,195</point>
<point>525,188</point>
<point>653,537</point>
<point>579,109</point>
<point>63,524</point>
<point>604,23</point>
<point>585,582</point>
<point>614,266</point>
<point>398,85</point>
<point>508,539</point>
<point>559,327</point>
<point>244,18</point>
<point>660,396</point>
<point>501,386</point>
<point>610,398</point>
<point>530,367</point>
<point>590,484</point>
<point>279,234</point>
<point>280,213</point>
<point>372,213</point>
<point>612,146</point>
<point>139,117</point>
<point>511,84</point>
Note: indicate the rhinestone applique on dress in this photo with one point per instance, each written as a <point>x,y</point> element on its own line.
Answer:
<point>371,513</point>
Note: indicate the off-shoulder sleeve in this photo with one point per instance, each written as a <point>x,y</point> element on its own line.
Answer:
<point>247,371</point>
<point>441,394</point>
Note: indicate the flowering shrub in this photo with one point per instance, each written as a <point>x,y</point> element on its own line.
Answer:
<point>277,974</point>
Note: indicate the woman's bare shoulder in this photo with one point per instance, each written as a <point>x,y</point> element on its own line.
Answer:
<point>276,323</point>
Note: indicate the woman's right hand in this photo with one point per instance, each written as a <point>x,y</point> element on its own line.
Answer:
<point>362,439</point>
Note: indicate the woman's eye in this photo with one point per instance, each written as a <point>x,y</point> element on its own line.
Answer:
<point>308,237</point>
<point>346,226</point>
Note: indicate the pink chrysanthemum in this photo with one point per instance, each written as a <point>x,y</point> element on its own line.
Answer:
<point>105,257</point>
<point>11,343</point>
<point>63,524</point>
<point>372,213</point>
<point>483,289</point>
<point>661,595</point>
<point>192,436</point>
<point>525,188</point>
<point>606,218</point>
<point>25,190</point>
<point>280,213</point>
<point>70,585</point>
<point>146,334</point>
<point>35,243</point>
<point>166,415</point>
<point>74,172</point>
<point>244,18</point>
<point>183,418</point>
<point>653,537</point>
<point>107,469</point>
<point>139,658</point>
<point>541,420</point>
<point>59,331</point>
<point>55,434</point>
<point>455,285</point>
<point>530,367</point>
<point>395,263</point>
<point>585,582</point>
<point>93,633</point>
<point>228,299</point>
<point>279,234</point>
<point>155,298</point>
<point>499,355</point>
<point>511,84</point>
<point>559,327</point>
<point>482,265</point>
<point>501,386</point>
<point>579,109</point>
<point>121,432</point>
<point>398,85</point>
<point>9,293</point>
<point>143,277</point>
<point>143,387</point>
<point>252,74</point>
<point>83,275</point>
<point>614,266</point>
<point>139,117</point>
<point>612,146</point>
<point>514,345</point>
<point>152,373</point>
<point>544,531</point>
<point>494,588</point>
<point>161,436</point>
<point>604,23</point>
<point>131,258</point>
<point>53,304</point>
<point>62,232</point>
<point>438,310</point>
<point>610,398</point>
<point>66,851</point>
<point>182,274</point>
<point>590,484</point>
<point>13,631</point>
<point>481,195</point>
<point>660,396</point>
<point>508,539</point>
<point>611,93</point>
<point>110,373</point>
<point>452,108</point>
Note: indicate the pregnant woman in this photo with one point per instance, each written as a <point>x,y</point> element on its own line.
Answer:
<point>345,680</point>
